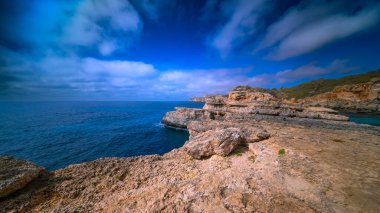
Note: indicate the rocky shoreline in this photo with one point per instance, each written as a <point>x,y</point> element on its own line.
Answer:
<point>247,152</point>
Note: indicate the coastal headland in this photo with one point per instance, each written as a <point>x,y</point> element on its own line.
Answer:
<point>247,152</point>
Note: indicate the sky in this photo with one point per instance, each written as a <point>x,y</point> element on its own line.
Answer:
<point>166,50</point>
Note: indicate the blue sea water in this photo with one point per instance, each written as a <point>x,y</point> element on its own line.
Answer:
<point>57,134</point>
<point>365,118</point>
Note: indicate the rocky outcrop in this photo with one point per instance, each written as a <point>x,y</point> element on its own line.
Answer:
<point>363,97</point>
<point>220,137</point>
<point>197,99</point>
<point>248,132</point>
<point>16,174</point>
<point>181,116</point>
<point>247,103</point>
<point>219,141</point>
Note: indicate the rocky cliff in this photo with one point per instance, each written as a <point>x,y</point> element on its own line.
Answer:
<point>249,105</point>
<point>364,97</point>
<point>247,152</point>
<point>356,93</point>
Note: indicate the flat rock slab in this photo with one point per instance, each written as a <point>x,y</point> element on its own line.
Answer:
<point>16,174</point>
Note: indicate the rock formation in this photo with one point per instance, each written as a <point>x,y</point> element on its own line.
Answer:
<point>16,174</point>
<point>197,99</point>
<point>364,97</point>
<point>220,142</point>
<point>249,105</point>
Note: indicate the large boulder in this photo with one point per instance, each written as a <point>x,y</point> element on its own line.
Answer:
<point>16,174</point>
<point>249,133</point>
<point>219,141</point>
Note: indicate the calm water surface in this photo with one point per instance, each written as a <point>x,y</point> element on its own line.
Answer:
<point>365,118</point>
<point>56,134</point>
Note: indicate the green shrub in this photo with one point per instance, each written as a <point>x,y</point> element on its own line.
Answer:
<point>281,152</point>
<point>238,153</point>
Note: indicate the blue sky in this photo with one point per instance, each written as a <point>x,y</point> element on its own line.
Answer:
<point>172,50</point>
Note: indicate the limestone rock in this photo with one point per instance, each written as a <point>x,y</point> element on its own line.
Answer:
<point>250,133</point>
<point>321,109</point>
<point>244,102</point>
<point>364,97</point>
<point>182,116</point>
<point>197,99</point>
<point>16,174</point>
<point>220,142</point>
<point>247,96</point>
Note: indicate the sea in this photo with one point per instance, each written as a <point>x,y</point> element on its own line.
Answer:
<point>57,134</point>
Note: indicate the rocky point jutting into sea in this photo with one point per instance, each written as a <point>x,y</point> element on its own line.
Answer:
<point>247,152</point>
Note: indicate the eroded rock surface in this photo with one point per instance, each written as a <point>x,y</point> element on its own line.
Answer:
<point>182,116</point>
<point>15,174</point>
<point>197,99</point>
<point>249,132</point>
<point>219,141</point>
<point>322,170</point>
<point>363,97</point>
<point>247,104</point>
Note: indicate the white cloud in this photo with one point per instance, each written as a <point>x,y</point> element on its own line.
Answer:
<point>240,26</point>
<point>201,82</point>
<point>305,29</point>
<point>296,18</point>
<point>107,47</point>
<point>118,68</point>
<point>305,72</point>
<point>95,21</point>
<point>73,78</point>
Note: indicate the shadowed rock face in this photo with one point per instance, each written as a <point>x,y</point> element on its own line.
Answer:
<point>16,174</point>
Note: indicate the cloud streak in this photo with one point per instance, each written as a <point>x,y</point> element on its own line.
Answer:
<point>303,28</point>
<point>320,33</point>
<point>241,24</point>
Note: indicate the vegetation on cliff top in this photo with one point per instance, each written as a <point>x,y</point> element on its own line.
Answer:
<point>273,91</point>
<point>314,87</point>
<point>325,85</point>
